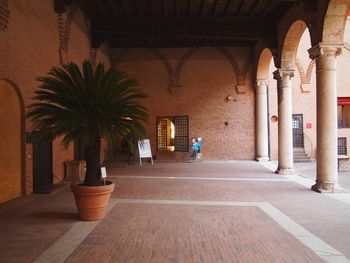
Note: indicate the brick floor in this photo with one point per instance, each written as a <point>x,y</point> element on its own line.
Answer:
<point>181,233</point>
<point>190,234</point>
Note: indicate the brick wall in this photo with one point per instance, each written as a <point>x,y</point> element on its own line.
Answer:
<point>30,44</point>
<point>207,77</point>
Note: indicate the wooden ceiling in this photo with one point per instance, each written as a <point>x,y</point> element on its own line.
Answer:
<point>183,23</point>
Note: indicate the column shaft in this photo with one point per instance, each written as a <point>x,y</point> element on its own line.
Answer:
<point>327,128</point>
<point>261,121</point>
<point>285,132</point>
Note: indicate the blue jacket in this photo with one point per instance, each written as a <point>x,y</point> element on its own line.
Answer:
<point>196,145</point>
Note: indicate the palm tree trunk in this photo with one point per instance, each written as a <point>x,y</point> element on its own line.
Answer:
<point>93,171</point>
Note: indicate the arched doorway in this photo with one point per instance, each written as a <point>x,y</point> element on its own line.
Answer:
<point>10,143</point>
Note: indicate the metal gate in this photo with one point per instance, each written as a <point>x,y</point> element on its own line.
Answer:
<point>42,166</point>
<point>298,131</point>
<point>161,133</point>
<point>181,139</point>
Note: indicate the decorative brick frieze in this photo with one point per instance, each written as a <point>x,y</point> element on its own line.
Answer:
<point>305,78</point>
<point>4,14</point>
<point>240,73</point>
<point>64,27</point>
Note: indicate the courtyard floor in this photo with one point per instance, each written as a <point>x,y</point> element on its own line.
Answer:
<point>236,211</point>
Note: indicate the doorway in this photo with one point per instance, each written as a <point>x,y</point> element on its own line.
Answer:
<point>11,144</point>
<point>298,131</point>
<point>42,166</point>
<point>172,133</point>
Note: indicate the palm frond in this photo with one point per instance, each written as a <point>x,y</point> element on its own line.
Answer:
<point>86,104</point>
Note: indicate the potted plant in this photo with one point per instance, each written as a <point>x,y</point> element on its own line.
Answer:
<point>88,105</point>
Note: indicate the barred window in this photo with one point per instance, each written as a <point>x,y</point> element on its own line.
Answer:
<point>342,146</point>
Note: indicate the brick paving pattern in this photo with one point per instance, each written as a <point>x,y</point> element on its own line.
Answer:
<point>178,233</point>
<point>142,232</point>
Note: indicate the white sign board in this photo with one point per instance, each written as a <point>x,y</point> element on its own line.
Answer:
<point>103,172</point>
<point>145,149</point>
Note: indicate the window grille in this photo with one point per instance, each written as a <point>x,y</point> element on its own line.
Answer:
<point>342,146</point>
<point>181,139</point>
<point>298,131</point>
<point>161,134</point>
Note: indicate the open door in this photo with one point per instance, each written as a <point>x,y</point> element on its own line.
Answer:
<point>181,140</point>
<point>42,166</point>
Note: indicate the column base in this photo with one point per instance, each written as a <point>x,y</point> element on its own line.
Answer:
<point>286,171</point>
<point>327,188</point>
<point>262,159</point>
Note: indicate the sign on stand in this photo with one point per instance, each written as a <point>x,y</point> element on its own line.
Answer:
<point>145,150</point>
<point>104,174</point>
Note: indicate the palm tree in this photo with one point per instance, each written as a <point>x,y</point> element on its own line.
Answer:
<point>86,106</point>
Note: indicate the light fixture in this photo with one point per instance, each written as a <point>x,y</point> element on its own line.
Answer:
<point>229,98</point>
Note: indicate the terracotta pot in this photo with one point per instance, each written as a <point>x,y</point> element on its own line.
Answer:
<point>92,201</point>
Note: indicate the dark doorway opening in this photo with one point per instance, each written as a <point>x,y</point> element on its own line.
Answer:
<point>172,133</point>
<point>298,130</point>
<point>42,166</point>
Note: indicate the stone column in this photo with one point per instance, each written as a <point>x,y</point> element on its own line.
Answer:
<point>285,132</point>
<point>261,120</point>
<point>327,128</point>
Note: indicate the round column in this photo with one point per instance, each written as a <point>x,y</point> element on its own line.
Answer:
<point>327,127</point>
<point>285,132</point>
<point>261,120</point>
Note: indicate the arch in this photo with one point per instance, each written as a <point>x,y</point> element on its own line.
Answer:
<point>171,73</point>
<point>335,21</point>
<point>174,73</point>
<point>232,61</point>
<point>291,43</point>
<point>264,62</point>
<point>12,169</point>
<point>182,63</point>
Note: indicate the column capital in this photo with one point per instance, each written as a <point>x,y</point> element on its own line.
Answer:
<point>280,73</point>
<point>323,49</point>
<point>261,82</point>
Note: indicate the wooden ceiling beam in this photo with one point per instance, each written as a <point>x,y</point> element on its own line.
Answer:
<point>244,30</point>
<point>139,7</point>
<point>111,6</point>
<point>213,9</point>
<point>165,7</point>
<point>227,7</point>
<point>189,7</point>
<point>100,7</point>
<point>178,43</point>
<point>267,8</point>
<point>177,8</point>
<point>201,9</point>
<point>239,8</point>
<point>253,8</point>
<point>124,5</point>
<point>199,19</point>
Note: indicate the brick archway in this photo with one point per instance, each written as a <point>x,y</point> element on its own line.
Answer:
<point>12,142</point>
<point>291,43</point>
<point>264,62</point>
